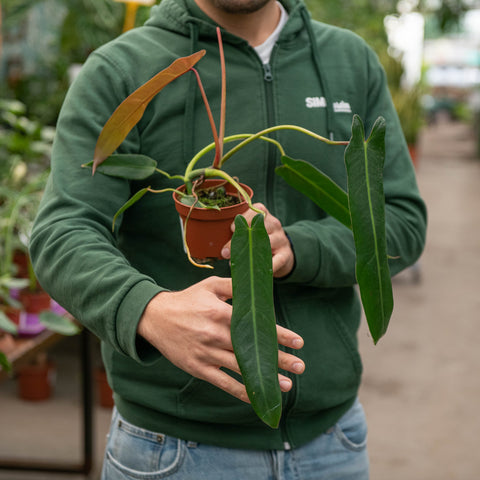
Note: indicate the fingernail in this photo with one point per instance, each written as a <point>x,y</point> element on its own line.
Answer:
<point>226,253</point>
<point>285,385</point>
<point>298,367</point>
<point>297,343</point>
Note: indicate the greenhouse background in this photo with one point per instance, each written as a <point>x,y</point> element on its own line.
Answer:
<point>420,382</point>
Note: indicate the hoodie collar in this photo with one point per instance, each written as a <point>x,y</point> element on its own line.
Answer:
<point>178,15</point>
<point>186,18</point>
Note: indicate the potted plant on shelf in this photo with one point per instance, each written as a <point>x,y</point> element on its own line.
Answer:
<point>24,147</point>
<point>361,209</point>
<point>19,316</point>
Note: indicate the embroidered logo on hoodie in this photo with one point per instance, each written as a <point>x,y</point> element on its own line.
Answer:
<point>315,102</point>
<point>342,106</point>
<point>321,102</point>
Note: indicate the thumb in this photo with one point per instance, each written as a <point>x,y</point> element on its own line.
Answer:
<point>221,287</point>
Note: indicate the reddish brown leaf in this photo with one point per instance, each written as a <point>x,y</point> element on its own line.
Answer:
<point>130,111</point>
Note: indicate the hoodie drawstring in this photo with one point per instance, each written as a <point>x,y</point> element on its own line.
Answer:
<point>318,67</point>
<point>188,120</point>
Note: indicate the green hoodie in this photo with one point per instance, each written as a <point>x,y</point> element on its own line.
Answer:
<point>318,77</point>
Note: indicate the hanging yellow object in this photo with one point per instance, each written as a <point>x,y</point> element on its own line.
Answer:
<point>131,12</point>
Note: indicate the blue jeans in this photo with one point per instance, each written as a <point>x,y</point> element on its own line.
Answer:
<point>133,453</point>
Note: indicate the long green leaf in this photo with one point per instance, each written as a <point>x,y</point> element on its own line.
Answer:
<point>130,111</point>
<point>131,167</point>
<point>129,203</point>
<point>253,325</point>
<point>364,161</point>
<point>317,186</point>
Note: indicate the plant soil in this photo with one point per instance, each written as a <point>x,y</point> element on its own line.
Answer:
<point>217,196</point>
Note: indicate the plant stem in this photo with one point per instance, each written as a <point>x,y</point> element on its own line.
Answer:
<point>231,138</point>
<point>208,109</point>
<point>170,177</point>
<point>274,129</point>
<point>221,134</point>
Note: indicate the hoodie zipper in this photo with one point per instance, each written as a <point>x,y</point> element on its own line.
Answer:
<point>271,163</point>
<point>268,85</point>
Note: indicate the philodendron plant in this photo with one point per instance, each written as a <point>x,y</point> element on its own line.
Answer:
<point>361,208</point>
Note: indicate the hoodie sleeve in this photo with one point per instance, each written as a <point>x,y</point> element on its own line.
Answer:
<point>72,247</point>
<point>324,250</point>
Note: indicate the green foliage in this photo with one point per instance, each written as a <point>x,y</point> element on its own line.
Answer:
<point>59,323</point>
<point>133,167</point>
<point>444,18</point>
<point>362,209</point>
<point>86,24</point>
<point>4,363</point>
<point>253,325</point>
<point>407,101</point>
<point>22,140</point>
<point>77,28</point>
<point>364,17</point>
<point>318,187</point>
<point>410,111</point>
<point>364,161</point>
<point>6,325</point>
<point>25,147</point>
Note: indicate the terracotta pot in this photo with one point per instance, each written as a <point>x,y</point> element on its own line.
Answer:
<point>104,392</point>
<point>21,260</point>
<point>36,381</point>
<point>209,230</point>
<point>13,314</point>
<point>36,301</point>
<point>33,303</point>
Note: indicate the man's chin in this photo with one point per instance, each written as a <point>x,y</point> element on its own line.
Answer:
<point>240,6</point>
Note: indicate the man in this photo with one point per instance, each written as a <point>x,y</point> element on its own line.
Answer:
<point>181,408</point>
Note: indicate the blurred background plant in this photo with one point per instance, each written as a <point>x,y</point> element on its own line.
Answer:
<point>25,147</point>
<point>44,39</point>
<point>42,42</point>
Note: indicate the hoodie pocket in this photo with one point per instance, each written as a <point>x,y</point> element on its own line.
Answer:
<point>333,365</point>
<point>200,401</point>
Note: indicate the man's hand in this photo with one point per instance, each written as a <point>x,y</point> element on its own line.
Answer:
<point>283,258</point>
<point>191,328</point>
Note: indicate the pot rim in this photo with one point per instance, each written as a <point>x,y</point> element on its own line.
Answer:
<point>210,213</point>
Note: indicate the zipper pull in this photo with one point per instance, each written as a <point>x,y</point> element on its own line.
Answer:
<point>268,77</point>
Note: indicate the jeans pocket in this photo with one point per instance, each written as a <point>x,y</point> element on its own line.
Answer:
<point>351,429</point>
<point>136,453</point>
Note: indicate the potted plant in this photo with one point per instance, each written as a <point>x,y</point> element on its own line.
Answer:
<point>24,145</point>
<point>409,108</point>
<point>361,209</point>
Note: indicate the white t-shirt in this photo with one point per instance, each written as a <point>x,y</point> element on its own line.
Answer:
<point>265,49</point>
